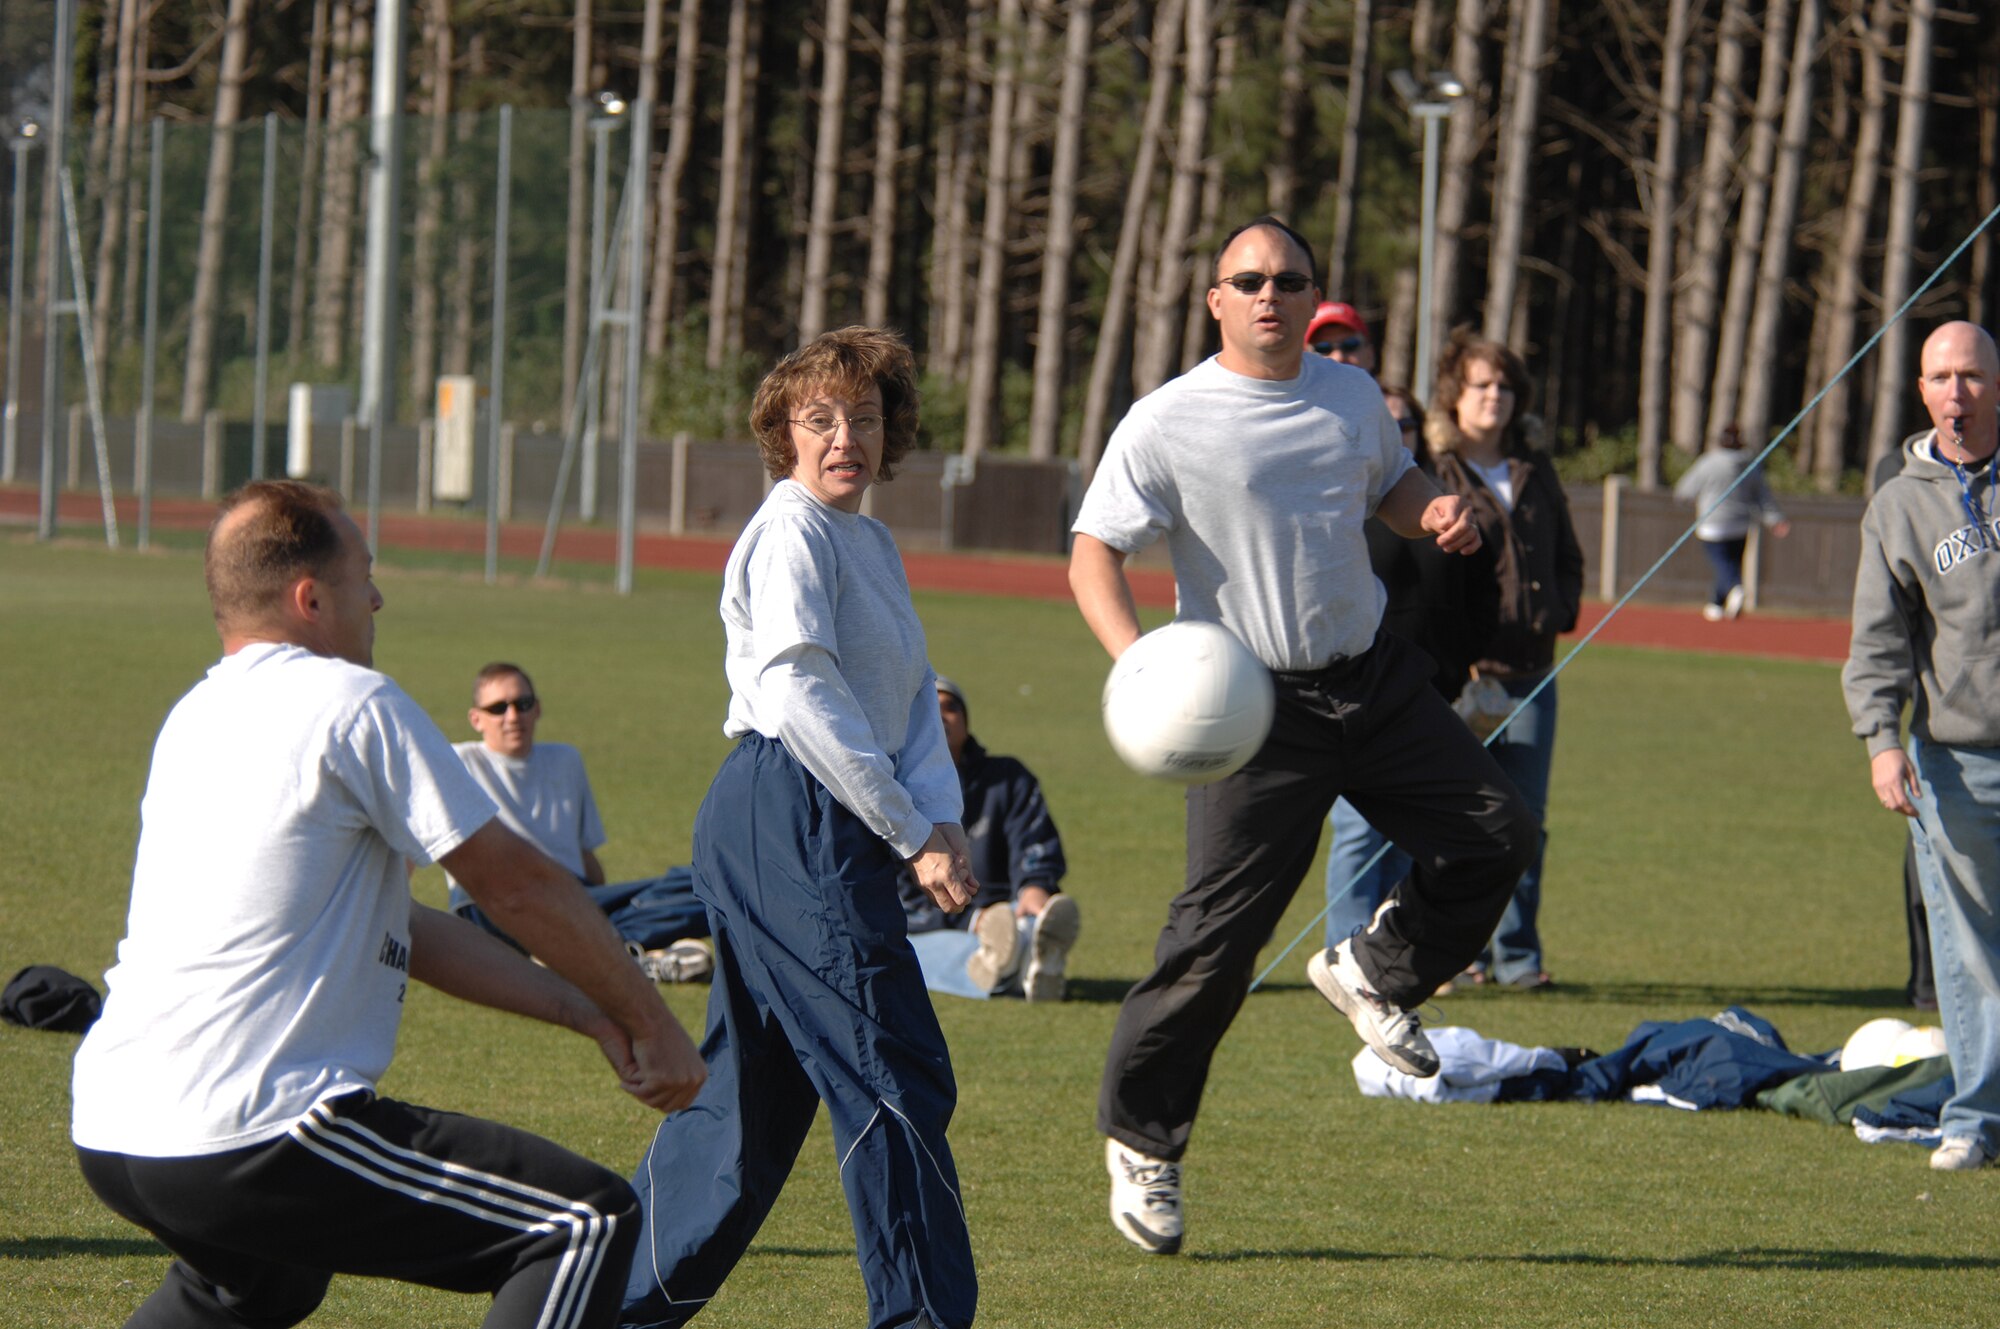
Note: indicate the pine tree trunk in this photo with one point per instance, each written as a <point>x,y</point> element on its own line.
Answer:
<point>1892,354</point>
<point>680,144</point>
<point>309,181</point>
<point>1522,76</point>
<point>888,151</point>
<point>118,173</point>
<point>1829,451</point>
<point>436,85</point>
<point>1051,320</point>
<point>1347,185</point>
<point>826,172</point>
<point>1752,207</point>
<point>1162,308</point>
<point>1653,341</point>
<point>576,248</point>
<point>951,297</point>
<point>736,307</point>
<point>215,212</point>
<point>731,232</point>
<point>1281,172</point>
<point>1461,161</point>
<point>1694,310</point>
<point>1195,319</point>
<point>982,404</point>
<point>1753,411</point>
<point>1138,195</point>
<point>134,219</point>
<point>334,271</point>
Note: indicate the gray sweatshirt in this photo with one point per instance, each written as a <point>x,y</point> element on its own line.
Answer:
<point>1927,608</point>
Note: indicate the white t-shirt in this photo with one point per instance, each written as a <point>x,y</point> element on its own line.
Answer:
<point>543,797</point>
<point>1261,489</point>
<point>267,947</point>
<point>825,654</point>
<point>1499,478</point>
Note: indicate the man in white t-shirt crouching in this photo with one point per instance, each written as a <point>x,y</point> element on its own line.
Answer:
<point>226,1100</point>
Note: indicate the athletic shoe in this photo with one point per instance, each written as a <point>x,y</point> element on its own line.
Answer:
<point>1397,1036</point>
<point>1056,929</point>
<point>1959,1153</point>
<point>689,960</point>
<point>1732,603</point>
<point>1713,613</point>
<point>1145,1199</point>
<point>999,955</point>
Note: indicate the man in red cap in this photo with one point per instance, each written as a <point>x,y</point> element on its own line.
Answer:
<point>1338,333</point>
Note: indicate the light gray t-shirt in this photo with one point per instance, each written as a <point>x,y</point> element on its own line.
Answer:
<point>825,654</point>
<point>1261,488</point>
<point>543,797</point>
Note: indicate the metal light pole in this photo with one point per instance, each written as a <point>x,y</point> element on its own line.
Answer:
<point>21,145</point>
<point>1430,101</point>
<point>385,195</point>
<point>258,396</point>
<point>611,108</point>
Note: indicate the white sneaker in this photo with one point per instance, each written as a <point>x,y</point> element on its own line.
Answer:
<point>1713,613</point>
<point>1145,1199</point>
<point>999,955</point>
<point>1396,1035</point>
<point>1732,603</point>
<point>1959,1153</point>
<point>689,960</point>
<point>1056,929</point>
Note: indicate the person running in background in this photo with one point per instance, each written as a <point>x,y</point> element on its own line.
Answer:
<point>1724,528</point>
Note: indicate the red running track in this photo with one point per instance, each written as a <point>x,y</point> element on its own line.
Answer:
<point>1039,577</point>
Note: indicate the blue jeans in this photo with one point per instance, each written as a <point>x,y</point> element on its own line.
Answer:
<point>1725,558</point>
<point>1525,751</point>
<point>1355,842</point>
<point>1957,838</point>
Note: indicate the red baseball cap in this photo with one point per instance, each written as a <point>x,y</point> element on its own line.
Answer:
<point>1334,314</point>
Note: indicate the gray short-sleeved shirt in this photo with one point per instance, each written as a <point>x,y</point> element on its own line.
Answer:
<point>1261,489</point>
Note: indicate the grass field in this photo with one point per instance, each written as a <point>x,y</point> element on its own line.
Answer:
<point>1712,841</point>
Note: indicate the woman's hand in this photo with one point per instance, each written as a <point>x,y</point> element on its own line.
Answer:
<point>943,868</point>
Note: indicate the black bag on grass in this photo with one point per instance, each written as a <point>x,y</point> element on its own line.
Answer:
<point>45,997</point>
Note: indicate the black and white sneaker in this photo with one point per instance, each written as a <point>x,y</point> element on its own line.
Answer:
<point>1145,1199</point>
<point>689,960</point>
<point>1396,1035</point>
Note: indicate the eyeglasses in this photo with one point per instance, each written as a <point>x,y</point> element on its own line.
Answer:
<point>1250,283</point>
<point>951,705</point>
<point>1406,423</point>
<point>1346,345</point>
<point>824,425</point>
<point>521,704</point>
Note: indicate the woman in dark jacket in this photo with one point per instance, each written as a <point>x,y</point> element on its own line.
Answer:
<point>1444,603</point>
<point>1481,453</point>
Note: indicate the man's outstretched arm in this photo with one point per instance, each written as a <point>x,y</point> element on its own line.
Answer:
<point>596,989</point>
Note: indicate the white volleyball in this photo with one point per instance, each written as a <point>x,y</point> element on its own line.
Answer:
<point>1187,703</point>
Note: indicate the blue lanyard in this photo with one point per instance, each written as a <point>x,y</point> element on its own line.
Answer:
<point>1974,509</point>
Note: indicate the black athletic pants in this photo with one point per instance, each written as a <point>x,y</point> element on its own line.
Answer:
<point>369,1186</point>
<point>1373,729</point>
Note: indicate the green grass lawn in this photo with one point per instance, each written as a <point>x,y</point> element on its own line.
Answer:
<point>1713,840</point>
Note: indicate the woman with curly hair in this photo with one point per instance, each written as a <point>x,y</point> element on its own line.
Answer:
<point>840,780</point>
<point>1481,453</point>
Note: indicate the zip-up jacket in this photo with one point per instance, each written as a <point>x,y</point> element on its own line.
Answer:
<point>1927,607</point>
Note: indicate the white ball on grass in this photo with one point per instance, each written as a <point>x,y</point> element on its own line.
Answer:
<point>1187,703</point>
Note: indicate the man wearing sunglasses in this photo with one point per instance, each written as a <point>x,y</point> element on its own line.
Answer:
<point>544,796</point>
<point>1337,333</point>
<point>1260,467</point>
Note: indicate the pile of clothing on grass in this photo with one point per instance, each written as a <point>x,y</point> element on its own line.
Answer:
<point>1888,1082</point>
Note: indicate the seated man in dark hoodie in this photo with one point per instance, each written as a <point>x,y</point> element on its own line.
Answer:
<point>1016,936</point>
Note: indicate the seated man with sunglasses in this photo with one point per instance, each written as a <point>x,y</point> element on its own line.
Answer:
<point>544,796</point>
<point>1337,333</point>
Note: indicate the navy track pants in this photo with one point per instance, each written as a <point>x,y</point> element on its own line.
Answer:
<point>817,997</point>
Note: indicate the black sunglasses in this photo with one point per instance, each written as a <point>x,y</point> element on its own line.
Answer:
<point>1406,423</point>
<point>1249,283</point>
<point>521,704</point>
<point>1348,345</point>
